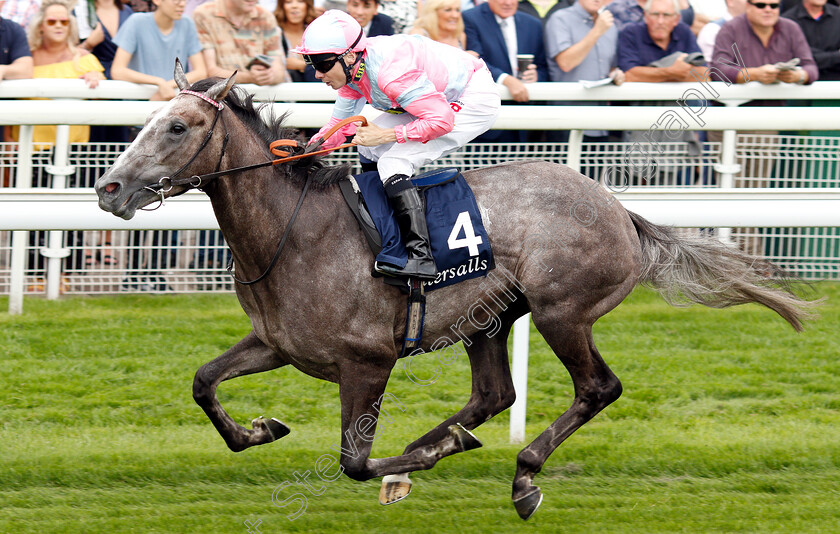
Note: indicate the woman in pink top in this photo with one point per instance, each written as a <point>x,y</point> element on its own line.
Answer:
<point>436,98</point>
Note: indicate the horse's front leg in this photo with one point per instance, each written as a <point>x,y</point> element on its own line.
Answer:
<point>247,357</point>
<point>362,392</point>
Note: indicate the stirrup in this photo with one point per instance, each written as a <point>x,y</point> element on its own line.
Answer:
<point>387,269</point>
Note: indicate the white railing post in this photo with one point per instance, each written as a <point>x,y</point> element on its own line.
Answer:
<point>728,167</point>
<point>575,149</point>
<point>521,337</point>
<point>23,180</point>
<point>55,251</point>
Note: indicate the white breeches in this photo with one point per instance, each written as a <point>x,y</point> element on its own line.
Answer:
<point>475,113</point>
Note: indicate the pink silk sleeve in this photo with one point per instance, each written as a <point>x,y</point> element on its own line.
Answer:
<point>434,115</point>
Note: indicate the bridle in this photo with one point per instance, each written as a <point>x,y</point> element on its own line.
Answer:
<point>286,148</point>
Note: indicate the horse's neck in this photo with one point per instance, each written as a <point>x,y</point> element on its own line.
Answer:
<point>252,207</point>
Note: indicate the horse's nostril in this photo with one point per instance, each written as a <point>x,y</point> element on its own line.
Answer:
<point>113,186</point>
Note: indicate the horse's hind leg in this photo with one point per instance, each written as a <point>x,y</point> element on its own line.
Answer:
<point>595,388</point>
<point>247,357</point>
<point>362,392</point>
<point>492,393</point>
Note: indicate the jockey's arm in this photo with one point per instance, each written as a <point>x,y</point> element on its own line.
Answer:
<point>347,104</point>
<point>434,118</point>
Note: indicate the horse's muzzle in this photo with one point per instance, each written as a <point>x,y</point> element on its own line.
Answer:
<point>119,198</point>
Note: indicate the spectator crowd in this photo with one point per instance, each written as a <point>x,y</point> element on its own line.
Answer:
<point>521,41</point>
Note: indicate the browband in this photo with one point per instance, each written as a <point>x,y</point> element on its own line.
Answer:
<point>217,105</point>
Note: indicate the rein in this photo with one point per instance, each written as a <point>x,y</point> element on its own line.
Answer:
<point>280,147</point>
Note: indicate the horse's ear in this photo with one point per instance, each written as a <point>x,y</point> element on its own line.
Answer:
<point>220,90</point>
<point>180,77</point>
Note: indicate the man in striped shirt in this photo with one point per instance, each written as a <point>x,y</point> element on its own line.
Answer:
<point>232,33</point>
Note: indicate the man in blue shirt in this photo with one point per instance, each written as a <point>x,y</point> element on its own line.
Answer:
<point>581,45</point>
<point>15,57</point>
<point>632,11</point>
<point>660,35</point>
<point>148,44</point>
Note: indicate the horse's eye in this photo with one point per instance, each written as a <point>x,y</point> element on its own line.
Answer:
<point>177,129</point>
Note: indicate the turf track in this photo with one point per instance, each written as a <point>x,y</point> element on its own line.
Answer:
<point>729,422</point>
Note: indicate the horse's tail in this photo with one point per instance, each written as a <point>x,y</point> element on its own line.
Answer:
<point>701,270</point>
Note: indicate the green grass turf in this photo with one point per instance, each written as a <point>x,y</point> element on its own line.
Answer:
<point>729,422</point>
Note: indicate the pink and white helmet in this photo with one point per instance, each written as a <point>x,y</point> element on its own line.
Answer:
<point>334,32</point>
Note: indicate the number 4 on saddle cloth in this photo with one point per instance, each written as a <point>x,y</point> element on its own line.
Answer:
<point>459,241</point>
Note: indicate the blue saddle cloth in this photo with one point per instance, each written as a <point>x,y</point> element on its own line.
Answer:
<point>460,245</point>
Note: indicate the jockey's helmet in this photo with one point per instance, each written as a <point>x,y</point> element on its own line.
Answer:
<point>331,36</point>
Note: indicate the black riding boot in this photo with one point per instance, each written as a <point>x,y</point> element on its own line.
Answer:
<point>411,217</point>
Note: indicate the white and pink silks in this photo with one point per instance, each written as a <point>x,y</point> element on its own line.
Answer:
<point>437,98</point>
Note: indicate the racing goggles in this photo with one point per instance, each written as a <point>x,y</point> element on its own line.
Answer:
<point>323,63</point>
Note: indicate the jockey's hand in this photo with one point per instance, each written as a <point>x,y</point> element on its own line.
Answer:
<point>373,135</point>
<point>314,144</point>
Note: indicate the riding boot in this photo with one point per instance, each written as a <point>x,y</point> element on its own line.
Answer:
<point>410,211</point>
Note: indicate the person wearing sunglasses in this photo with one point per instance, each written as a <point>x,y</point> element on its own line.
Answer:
<point>436,99</point>
<point>55,54</point>
<point>762,40</point>
<point>750,48</point>
<point>53,42</point>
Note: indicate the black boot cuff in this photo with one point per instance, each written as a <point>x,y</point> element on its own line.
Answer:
<point>397,184</point>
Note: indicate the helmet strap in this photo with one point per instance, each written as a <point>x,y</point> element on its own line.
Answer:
<point>348,70</point>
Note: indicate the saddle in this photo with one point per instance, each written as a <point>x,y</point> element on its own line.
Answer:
<point>459,242</point>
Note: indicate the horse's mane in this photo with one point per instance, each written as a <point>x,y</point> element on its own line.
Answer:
<point>272,128</point>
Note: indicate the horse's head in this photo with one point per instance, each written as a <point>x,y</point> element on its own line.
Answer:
<point>174,145</point>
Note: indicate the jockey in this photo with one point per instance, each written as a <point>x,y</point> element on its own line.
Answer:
<point>437,98</point>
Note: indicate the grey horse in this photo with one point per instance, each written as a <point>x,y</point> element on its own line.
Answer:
<point>566,251</point>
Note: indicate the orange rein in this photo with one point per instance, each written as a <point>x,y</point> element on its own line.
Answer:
<point>277,146</point>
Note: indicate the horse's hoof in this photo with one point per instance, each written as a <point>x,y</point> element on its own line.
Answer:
<point>275,428</point>
<point>528,504</point>
<point>464,438</point>
<point>394,488</point>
